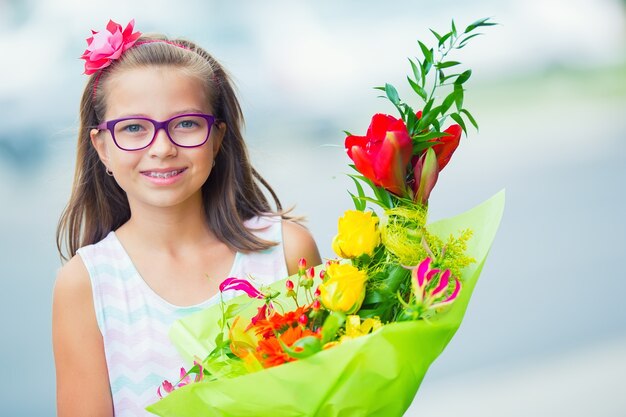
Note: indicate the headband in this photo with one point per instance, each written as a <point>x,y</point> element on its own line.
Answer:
<point>106,46</point>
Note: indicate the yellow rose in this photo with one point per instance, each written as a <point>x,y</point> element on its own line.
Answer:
<point>343,288</point>
<point>357,234</point>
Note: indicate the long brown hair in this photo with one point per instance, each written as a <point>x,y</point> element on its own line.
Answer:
<point>231,194</point>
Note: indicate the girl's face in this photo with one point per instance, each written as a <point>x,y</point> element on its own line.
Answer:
<point>163,174</point>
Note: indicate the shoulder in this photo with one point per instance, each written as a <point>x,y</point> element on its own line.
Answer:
<point>298,243</point>
<point>72,280</point>
<point>72,303</point>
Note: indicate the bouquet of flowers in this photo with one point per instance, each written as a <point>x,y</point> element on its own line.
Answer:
<point>356,335</point>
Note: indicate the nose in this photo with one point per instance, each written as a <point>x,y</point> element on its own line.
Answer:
<point>162,146</point>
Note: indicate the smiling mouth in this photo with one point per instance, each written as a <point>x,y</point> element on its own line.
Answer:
<point>167,174</point>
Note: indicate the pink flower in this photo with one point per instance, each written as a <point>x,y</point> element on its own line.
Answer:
<point>430,286</point>
<point>242,285</point>
<point>167,387</point>
<point>106,46</point>
<point>185,379</point>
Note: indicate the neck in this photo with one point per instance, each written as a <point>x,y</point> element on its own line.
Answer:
<point>168,229</point>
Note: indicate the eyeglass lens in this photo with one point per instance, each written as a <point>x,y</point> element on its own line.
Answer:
<point>185,130</point>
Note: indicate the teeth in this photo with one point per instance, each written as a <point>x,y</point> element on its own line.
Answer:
<point>164,174</point>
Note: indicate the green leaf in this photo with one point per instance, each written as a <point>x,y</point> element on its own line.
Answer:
<point>357,178</point>
<point>479,23</point>
<point>431,135</point>
<point>465,75</point>
<point>447,77</point>
<point>359,188</point>
<point>447,102</point>
<point>392,94</point>
<point>428,53</point>
<point>428,106</point>
<point>359,204</point>
<point>436,125</point>
<point>418,148</point>
<point>444,38</point>
<point>440,75</point>
<point>375,296</point>
<point>427,118</point>
<point>426,66</point>
<point>458,94</point>
<point>446,64</point>
<point>302,348</point>
<point>453,28</point>
<point>331,326</point>
<point>411,119</point>
<point>379,88</point>
<point>418,89</point>
<point>397,274</point>
<point>235,309</point>
<point>438,36</point>
<point>385,204</point>
<point>466,39</point>
<point>382,197</point>
<point>457,118</point>
<point>219,341</point>
<point>416,70</point>
<point>470,118</point>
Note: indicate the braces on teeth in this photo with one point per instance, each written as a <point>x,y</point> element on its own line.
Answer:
<point>163,174</point>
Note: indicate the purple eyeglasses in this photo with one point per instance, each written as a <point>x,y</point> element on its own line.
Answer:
<point>136,133</point>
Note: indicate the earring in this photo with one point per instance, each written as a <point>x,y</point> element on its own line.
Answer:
<point>108,171</point>
<point>213,163</point>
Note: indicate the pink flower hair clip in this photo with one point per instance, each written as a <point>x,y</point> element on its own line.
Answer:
<point>108,45</point>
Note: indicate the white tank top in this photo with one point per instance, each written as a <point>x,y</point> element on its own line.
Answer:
<point>134,320</point>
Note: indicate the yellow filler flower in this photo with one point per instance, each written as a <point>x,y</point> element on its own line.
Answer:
<point>343,288</point>
<point>357,235</point>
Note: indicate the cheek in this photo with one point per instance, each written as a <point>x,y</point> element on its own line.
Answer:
<point>123,164</point>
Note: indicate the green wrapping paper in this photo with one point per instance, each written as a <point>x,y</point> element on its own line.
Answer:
<point>373,375</point>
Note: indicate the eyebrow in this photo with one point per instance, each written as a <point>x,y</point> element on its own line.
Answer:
<point>173,114</point>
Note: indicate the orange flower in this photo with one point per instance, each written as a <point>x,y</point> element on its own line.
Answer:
<point>270,352</point>
<point>278,322</point>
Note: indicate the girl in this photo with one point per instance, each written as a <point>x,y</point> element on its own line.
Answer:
<point>165,205</point>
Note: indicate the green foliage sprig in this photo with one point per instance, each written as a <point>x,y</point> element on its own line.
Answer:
<point>430,73</point>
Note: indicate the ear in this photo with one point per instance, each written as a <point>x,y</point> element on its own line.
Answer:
<point>98,142</point>
<point>217,135</point>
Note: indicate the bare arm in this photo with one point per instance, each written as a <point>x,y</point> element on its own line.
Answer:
<point>298,243</point>
<point>81,370</point>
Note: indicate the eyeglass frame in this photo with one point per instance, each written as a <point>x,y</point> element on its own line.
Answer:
<point>158,125</point>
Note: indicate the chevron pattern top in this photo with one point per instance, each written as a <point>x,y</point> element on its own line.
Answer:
<point>134,320</point>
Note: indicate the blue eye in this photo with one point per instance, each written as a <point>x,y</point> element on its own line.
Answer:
<point>187,124</point>
<point>133,128</point>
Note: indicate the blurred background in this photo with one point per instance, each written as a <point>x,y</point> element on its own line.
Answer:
<point>545,333</point>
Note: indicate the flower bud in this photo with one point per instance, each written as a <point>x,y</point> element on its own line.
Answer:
<point>316,305</point>
<point>303,319</point>
<point>322,274</point>
<point>310,273</point>
<point>289,285</point>
<point>301,266</point>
